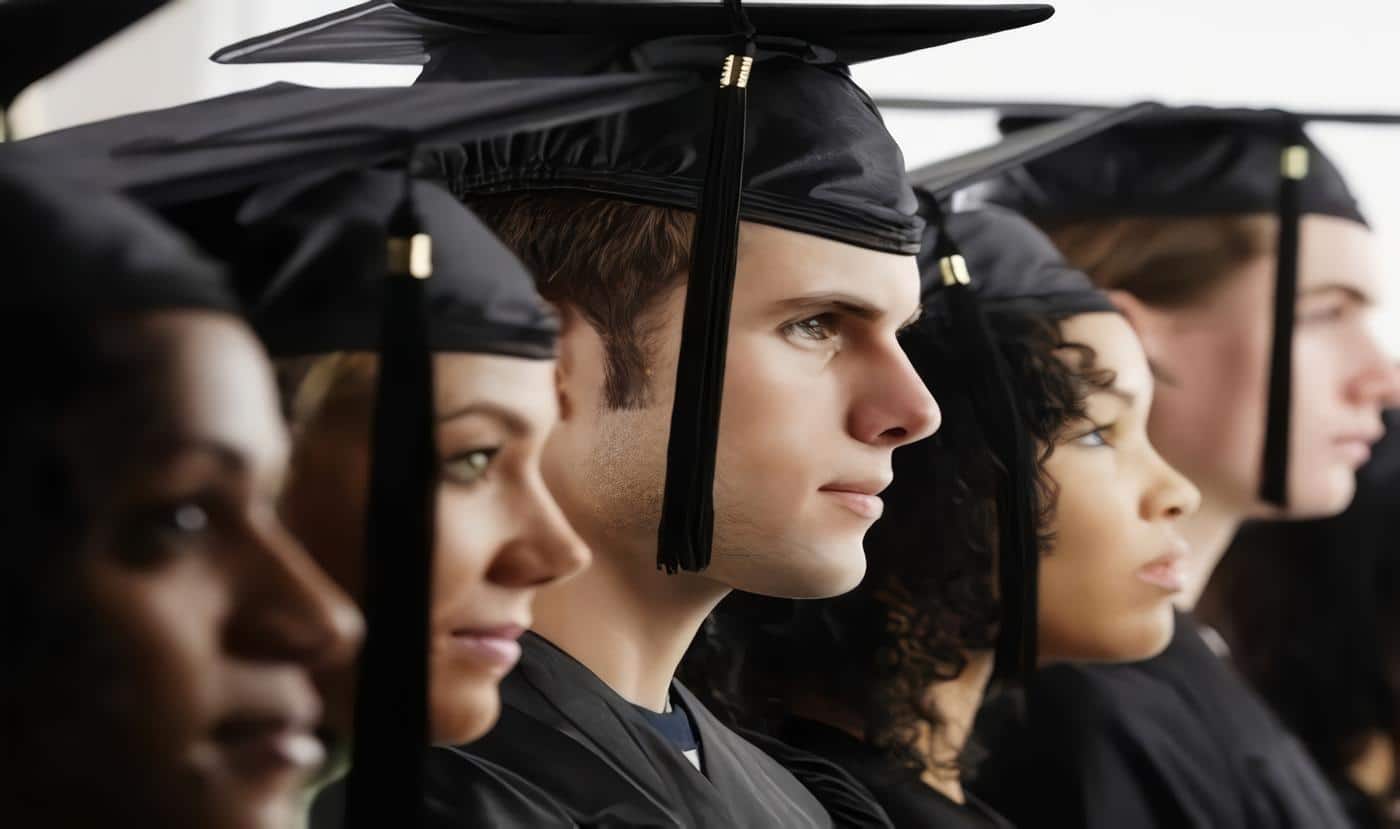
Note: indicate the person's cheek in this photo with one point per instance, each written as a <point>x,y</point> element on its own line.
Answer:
<point>1207,421</point>
<point>463,701</point>
<point>162,648</point>
<point>770,432</point>
<point>1321,481</point>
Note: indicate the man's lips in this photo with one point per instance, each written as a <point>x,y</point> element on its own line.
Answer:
<point>1356,447</point>
<point>861,498</point>
<point>496,648</point>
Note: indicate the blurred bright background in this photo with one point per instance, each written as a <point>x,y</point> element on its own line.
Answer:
<point>1335,55</point>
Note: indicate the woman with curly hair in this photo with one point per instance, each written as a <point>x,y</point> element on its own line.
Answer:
<point>1237,251</point>
<point>886,681</point>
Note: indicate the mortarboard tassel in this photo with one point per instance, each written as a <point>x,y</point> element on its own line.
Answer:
<point>1273,483</point>
<point>687,511</point>
<point>391,705</point>
<point>986,378</point>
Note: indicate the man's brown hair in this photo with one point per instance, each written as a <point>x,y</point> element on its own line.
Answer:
<point>1167,262</point>
<point>608,260</point>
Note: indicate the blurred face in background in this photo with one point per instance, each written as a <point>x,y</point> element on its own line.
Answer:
<point>191,622</point>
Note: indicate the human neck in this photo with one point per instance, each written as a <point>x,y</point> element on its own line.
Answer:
<point>1208,533</point>
<point>956,701</point>
<point>627,622</point>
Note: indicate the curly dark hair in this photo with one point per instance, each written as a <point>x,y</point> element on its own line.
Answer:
<point>929,593</point>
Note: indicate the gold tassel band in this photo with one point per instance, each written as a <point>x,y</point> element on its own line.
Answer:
<point>954,270</point>
<point>412,256</point>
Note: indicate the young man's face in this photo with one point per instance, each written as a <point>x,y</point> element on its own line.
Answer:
<point>1209,422</point>
<point>817,396</point>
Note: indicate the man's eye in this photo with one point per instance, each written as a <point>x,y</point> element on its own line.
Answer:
<point>468,467</point>
<point>820,327</point>
<point>1331,313</point>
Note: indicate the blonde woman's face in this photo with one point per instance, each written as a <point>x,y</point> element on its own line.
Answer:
<point>499,535</point>
<point>1107,584</point>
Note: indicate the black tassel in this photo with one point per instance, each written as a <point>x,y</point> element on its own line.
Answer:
<point>385,787</point>
<point>1273,481</point>
<point>687,510</point>
<point>994,399</point>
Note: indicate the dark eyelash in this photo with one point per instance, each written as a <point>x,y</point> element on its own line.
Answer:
<point>489,451</point>
<point>1099,429</point>
<point>826,321</point>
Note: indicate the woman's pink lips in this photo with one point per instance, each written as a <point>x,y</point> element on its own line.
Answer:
<point>1164,572</point>
<point>861,503</point>
<point>497,648</point>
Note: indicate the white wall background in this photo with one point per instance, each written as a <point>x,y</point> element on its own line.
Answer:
<point>1338,54</point>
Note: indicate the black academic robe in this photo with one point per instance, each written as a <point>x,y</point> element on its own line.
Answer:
<point>479,793</point>
<point>572,739</point>
<point>1176,742</point>
<point>904,797</point>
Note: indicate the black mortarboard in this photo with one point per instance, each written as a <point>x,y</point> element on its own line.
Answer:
<point>75,250</point>
<point>219,151</point>
<point>976,262</point>
<point>801,147</point>
<point>1195,161</point>
<point>315,242</point>
<point>235,142</point>
<point>39,36</point>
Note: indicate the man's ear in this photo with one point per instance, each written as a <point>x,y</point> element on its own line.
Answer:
<point>1152,325</point>
<point>579,370</point>
<point>566,361</point>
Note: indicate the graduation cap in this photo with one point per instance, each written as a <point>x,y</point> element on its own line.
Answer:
<point>1195,161</point>
<point>224,145</point>
<point>234,147</point>
<point>979,261</point>
<point>74,250</point>
<point>788,140</point>
<point>313,240</point>
<point>39,36</point>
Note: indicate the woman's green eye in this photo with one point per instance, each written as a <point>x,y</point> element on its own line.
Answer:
<point>469,467</point>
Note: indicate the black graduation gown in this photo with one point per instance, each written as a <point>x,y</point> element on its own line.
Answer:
<point>1177,742</point>
<point>479,793</point>
<point>566,733</point>
<point>906,799</point>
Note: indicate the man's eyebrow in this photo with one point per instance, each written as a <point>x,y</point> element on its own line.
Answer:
<point>1352,292</point>
<point>846,303</point>
<point>514,423</point>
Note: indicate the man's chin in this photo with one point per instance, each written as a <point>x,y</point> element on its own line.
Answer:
<point>1321,496</point>
<point>811,572</point>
